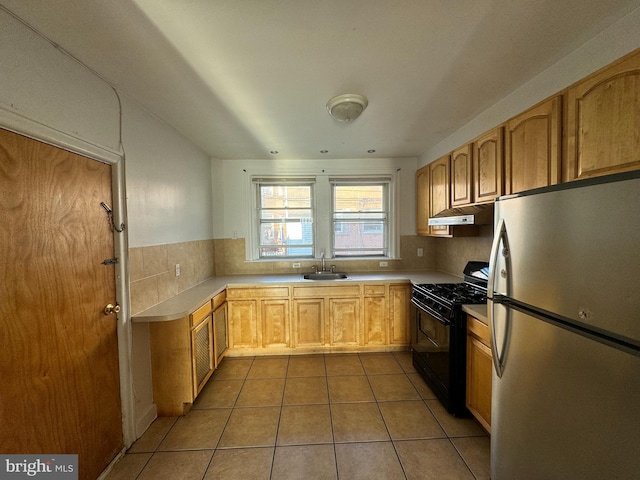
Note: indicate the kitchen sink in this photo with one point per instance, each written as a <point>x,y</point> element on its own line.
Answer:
<point>325,276</point>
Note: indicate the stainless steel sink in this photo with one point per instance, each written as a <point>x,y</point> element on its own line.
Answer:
<point>325,276</point>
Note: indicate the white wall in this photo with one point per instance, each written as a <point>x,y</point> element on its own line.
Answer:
<point>611,44</point>
<point>236,216</point>
<point>49,96</point>
<point>168,182</point>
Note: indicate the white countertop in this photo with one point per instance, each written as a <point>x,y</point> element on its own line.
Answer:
<point>477,311</point>
<point>188,301</point>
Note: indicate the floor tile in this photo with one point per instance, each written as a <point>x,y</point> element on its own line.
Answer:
<point>431,460</point>
<point>368,461</point>
<point>357,422</point>
<point>269,367</point>
<point>306,390</point>
<point>405,359</point>
<point>308,462</point>
<point>453,426</point>
<point>219,394</point>
<point>306,366</point>
<point>251,427</point>
<point>380,363</point>
<point>261,392</point>
<point>421,386</point>
<point>475,452</point>
<point>410,420</point>
<point>232,369</point>
<point>393,387</point>
<point>177,465</point>
<point>154,435</point>
<point>129,466</point>
<point>241,464</point>
<point>343,365</point>
<point>305,424</point>
<point>350,388</point>
<point>199,429</point>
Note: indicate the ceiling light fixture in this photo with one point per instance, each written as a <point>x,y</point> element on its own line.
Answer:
<point>347,107</point>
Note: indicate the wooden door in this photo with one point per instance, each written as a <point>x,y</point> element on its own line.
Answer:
<point>603,121</point>
<point>399,304</point>
<point>344,317</point>
<point>60,390</point>
<point>461,180</point>
<point>308,322</point>
<point>532,147</point>
<point>422,201</point>
<point>439,190</point>
<point>274,314</point>
<point>488,159</point>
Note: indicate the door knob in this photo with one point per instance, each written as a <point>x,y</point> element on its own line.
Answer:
<point>110,308</point>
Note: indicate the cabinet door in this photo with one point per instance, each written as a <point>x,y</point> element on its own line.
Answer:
<point>220,337</point>
<point>532,147</point>
<point>400,299</point>
<point>375,320</point>
<point>440,181</point>
<point>243,318</point>
<point>422,201</point>
<point>479,380</point>
<point>202,360</point>
<point>344,320</point>
<point>308,327</point>
<point>275,323</point>
<point>487,166</point>
<point>603,121</point>
<point>461,179</point>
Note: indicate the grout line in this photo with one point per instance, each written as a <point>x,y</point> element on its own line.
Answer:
<point>275,440</point>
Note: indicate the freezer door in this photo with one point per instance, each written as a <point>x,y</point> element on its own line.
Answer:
<point>575,253</point>
<point>566,407</point>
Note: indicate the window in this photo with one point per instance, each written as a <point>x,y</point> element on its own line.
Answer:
<point>285,218</point>
<point>360,217</point>
<point>345,217</point>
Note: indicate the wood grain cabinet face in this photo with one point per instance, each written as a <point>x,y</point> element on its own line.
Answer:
<point>275,322</point>
<point>479,371</point>
<point>461,179</point>
<point>344,320</point>
<point>308,325</point>
<point>422,201</point>
<point>439,191</point>
<point>220,335</point>
<point>532,147</point>
<point>399,306</point>
<point>375,317</point>
<point>488,159</point>
<point>243,319</point>
<point>203,360</point>
<point>603,121</point>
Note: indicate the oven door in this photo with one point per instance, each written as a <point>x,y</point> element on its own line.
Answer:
<point>431,346</point>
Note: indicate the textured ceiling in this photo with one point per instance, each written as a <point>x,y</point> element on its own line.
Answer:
<point>240,78</point>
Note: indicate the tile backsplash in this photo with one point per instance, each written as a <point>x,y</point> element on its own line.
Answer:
<point>153,273</point>
<point>152,270</point>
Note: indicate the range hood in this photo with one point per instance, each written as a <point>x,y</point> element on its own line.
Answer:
<point>468,215</point>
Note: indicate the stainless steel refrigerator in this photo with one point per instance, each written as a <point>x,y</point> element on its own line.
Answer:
<point>564,309</point>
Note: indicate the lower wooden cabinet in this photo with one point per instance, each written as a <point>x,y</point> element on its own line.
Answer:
<point>399,306</point>
<point>184,356</point>
<point>479,371</point>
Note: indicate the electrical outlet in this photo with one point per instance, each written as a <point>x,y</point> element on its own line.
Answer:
<point>420,252</point>
<point>177,269</point>
<point>295,265</point>
<point>384,264</point>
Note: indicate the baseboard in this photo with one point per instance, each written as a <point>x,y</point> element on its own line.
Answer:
<point>143,422</point>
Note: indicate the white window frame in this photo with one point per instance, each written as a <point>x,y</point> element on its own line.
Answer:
<point>386,215</point>
<point>322,211</point>
<point>258,183</point>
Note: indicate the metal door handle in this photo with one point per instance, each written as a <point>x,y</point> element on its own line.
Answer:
<point>501,238</point>
<point>110,308</point>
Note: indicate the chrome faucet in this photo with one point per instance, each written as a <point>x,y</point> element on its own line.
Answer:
<point>322,258</point>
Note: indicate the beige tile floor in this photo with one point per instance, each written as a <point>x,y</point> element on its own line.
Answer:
<point>348,417</point>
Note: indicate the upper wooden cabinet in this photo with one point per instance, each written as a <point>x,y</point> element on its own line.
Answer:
<point>439,191</point>
<point>422,201</point>
<point>603,121</point>
<point>488,158</point>
<point>461,180</point>
<point>532,147</point>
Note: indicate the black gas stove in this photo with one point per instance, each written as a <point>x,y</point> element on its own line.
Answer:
<point>438,337</point>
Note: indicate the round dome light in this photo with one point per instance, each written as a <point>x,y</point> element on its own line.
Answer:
<point>347,107</point>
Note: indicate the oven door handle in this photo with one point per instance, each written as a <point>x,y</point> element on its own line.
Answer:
<point>421,309</point>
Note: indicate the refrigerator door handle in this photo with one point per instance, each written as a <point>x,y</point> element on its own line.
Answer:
<point>498,352</point>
